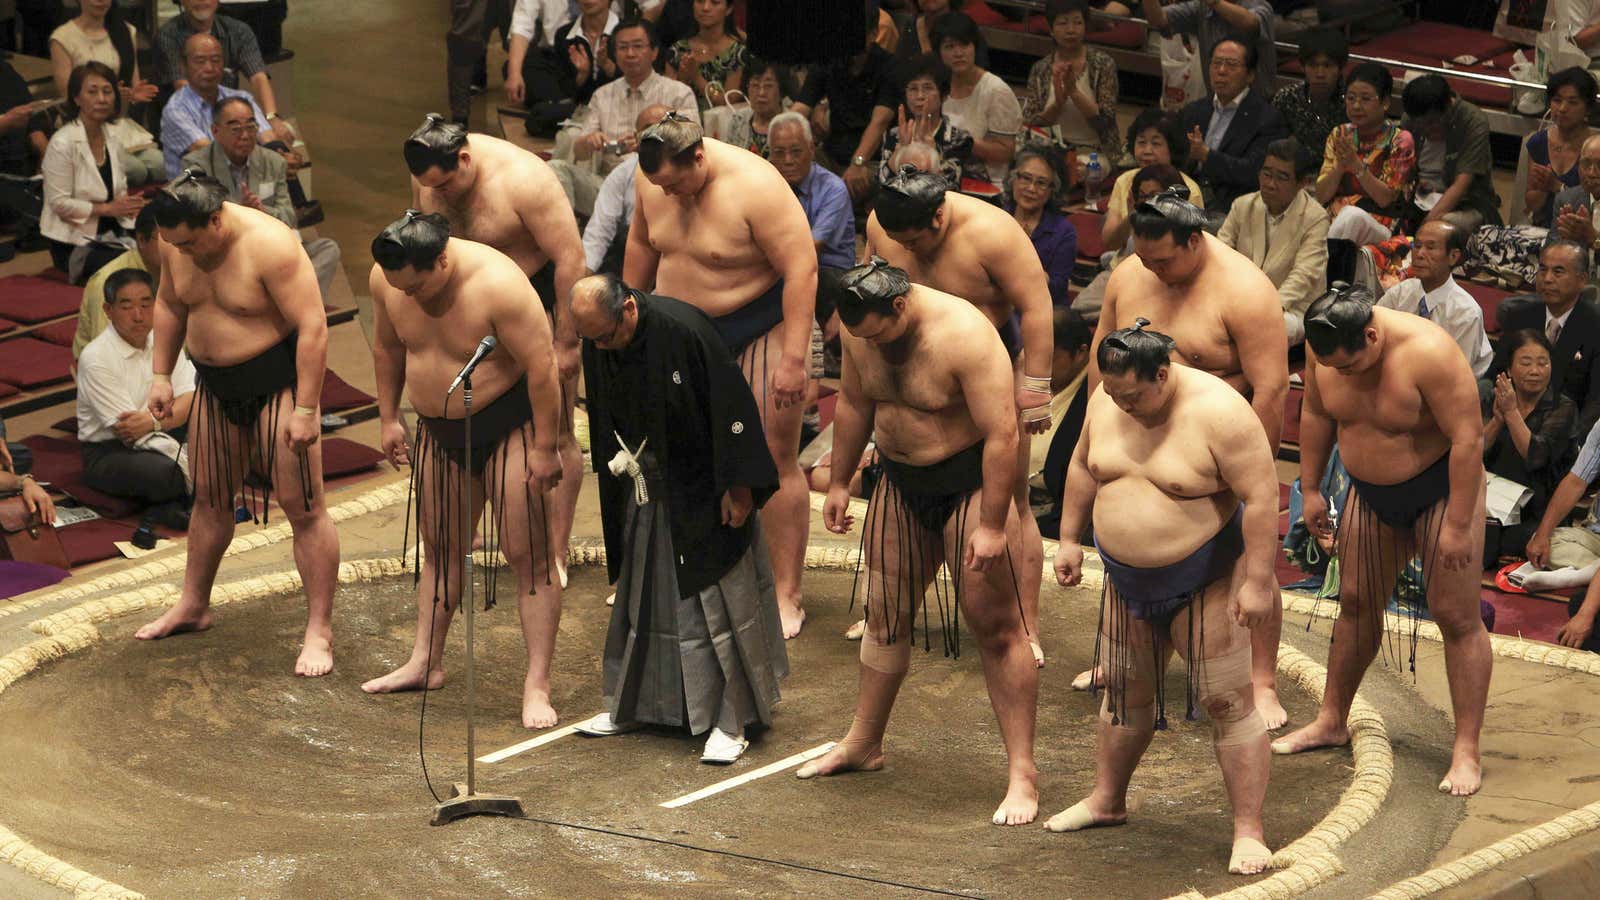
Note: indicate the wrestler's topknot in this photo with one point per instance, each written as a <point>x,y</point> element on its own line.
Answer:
<point>191,200</point>
<point>910,199</point>
<point>1138,349</point>
<point>870,287</point>
<point>435,143</point>
<point>1338,319</point>
<point>415,239</point>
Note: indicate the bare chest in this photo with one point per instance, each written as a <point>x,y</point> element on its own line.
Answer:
<point>710,229</point>
<point>233,289</point>
<point>451,334</point>
<point>1390,402</point>
<point>1193,321</point>
<point>485,218</point>
<point>915,382</point>
<point>1168,458</point>
<point>958,271</point>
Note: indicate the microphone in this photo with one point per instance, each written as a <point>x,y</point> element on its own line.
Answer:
<point>485,347</point>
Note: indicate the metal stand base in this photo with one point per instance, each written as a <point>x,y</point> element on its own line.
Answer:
<point>463,803</point>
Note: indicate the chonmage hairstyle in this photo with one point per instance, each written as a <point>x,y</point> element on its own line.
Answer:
<point>1338,319</point>
<point>1144,353</point>
<point>909,199</point>
<point>1169,212</point>
<point>436,142</point>
<point>675,137</point>
<point>191,199</point>
<point>415,239</point>
<point>869,288</point>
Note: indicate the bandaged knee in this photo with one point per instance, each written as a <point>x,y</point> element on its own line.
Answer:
<point>890,659</point>
<point>1229,699</point>
<point>1130,680</point>
<point>1138,718</point>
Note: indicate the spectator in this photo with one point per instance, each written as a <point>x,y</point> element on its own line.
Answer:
<point>1552,152</point>
<point>822,194</point>
<point>1229,131</point>
<point>1074,89</point>
<point>1433,294</point>
<point>1574,206</point>
<point>1050,454</point>
<point>1315,106</point>
<point>766,86</point>
<point>187,119</point>
<point>257,177</point>
<point>712,61</point>
<point>1528,431</point>
<point>87,208</point>
<point>1212,21</point>
<point>241,54</point>
<point>919,155</point>
<point>922,120</point>
<point>1142,185</point>
<point>861,93</point>
<point>1033,197</point>
<point>127,452</point>
<point>605,237</point>
<point>1368,163</point>
<point>557,60</point>
<point>34,498</point>
<point>1453,158</point>
<point>606,128</point>
<point>1569,322</point>
<point>979,101</point>
<point>99,34</point>
<point>1284,231</point>
<point>19,204</point>
<point>1154,139</point>
<point>1573,552</point>
<point>916,31</point>
<point>144,257</point>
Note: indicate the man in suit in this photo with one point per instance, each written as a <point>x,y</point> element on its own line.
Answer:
<point>1575,206</point>
<point>1571,323</point>
<point>257,177</point>
<point>1284,231</point>
<point>1229,131</point>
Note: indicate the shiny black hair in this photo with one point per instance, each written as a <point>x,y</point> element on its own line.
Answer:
<point>190,199</point>
<point>436,142</point>
<point>909,199</point>
<point>1338,319</point>
<point>1137,350</point>
<point>1168,212</point>
<point>869,288</point>
<point>415,239</point>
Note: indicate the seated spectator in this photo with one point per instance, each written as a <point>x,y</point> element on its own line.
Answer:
<point>822,194</point>
<point>1315,106</point>
<point>1368,164</point>
<point>916,31</point>
<point>1143,184</point>
<point>99,33</point>
<point>1284,231</point>
<point>557,61</point>
<point>1050,454</point>
<point>979,101</point>
<point>87,208</point>
<point>1571,554</point>
<point>605,236</point>
<point>1073,91</point>
<point>1453,157</point>
<point>257,177</point>
<point>922,120</point>
<point>1433,294</point>
<point>713,60</point>
<point>1213,21</point>
<point>1569,322</point>
<point>766,86</point>
<point>861,94</point>
<point>1154,139</point>
<point>1552,151</point>
<point>127,452</point>
<point>19,206</point>
<point>144,257</point>
<point>186,121</point>
<point>1528,431</point>
<point>1229,131</point>
<point>1033,197</point>
<point>34,498</point>
<point>1574,207</point>
<point>605,130</point>
<point>919,155</point>
<point>242,64</point>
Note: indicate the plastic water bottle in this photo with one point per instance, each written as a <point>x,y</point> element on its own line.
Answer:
<point>1094,176</point>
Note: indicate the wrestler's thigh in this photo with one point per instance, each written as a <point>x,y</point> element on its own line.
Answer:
<point>1207,629</point>
<point>1453,594</point>
<point>1371,557</point>
<point>760,362</point>
<point>217,452</point>
<point>520,513</point>
<point>440,518</point>
<point>989,600</point>
<point>292,473</point>
<point>900,558</point>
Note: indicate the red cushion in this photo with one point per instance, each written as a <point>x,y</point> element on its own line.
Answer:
<point>69,425</point>
<point>1489,298</point>
<point>6,325</point>
<point>1436,41</point>
<point>8,390</point>
<point>61,332</point>
<point>94,540</point>
<point>337,394</point>
<point>1122,34</point>
<point>1283,496</point>
<point>29,362</point>
<point>341,457</point>
<point>31,299</point>
<point>1034,24</point>
<point>60,461</point>
<point>53,274</point>
<point>1090,243</point>
<point>982,13</point>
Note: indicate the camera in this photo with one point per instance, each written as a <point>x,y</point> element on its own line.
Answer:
<point>613,147</point>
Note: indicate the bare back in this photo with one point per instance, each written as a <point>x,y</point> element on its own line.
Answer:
<point>514,201</point>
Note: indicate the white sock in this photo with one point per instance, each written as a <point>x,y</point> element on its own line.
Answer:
<point>1560,579</point>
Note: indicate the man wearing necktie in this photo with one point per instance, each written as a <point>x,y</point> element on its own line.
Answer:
<point>1570,321</point>
<point>1433,294</point>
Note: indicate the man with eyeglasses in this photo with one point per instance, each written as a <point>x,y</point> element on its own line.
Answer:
<point>1229,131</point>
<point>187,118</point>
<point>1284,231</point>
<point>1214,21</point>
<point>1569,320</point>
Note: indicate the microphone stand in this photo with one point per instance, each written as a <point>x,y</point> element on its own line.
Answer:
<point>464,798</point>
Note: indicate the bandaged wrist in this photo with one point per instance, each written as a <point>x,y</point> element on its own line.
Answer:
<point>1040,384</point>
<point>305,410</point>
<point>162,377</point>
<point>1036,414</point>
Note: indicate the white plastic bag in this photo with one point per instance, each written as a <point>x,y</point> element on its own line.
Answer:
<point>1181,78</point>
<point>1528,101</point>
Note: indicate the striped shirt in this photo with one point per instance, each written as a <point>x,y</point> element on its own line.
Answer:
<point>187,118</point>
<point>241,54</point>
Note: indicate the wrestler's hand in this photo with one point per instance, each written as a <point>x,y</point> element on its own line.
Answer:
<point>1538,550</point>
<point>1034,407</point>
<point>159,401</point>
<point>1314,511</point>
<point>1576,631</point>
<point>1069,563</point>
<point>569,360</point>
<point>985,547</point>
<point>1455,547</point>
<point>836,510</point>
<point>392,440</point>
<point>789,382</point>
<point>544,469</point>
<point>303,430</point>
<point>736,505</point>
<point>1253,603</point>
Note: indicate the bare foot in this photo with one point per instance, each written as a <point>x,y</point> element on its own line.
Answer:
<point>1312,737</point>
<point>848,756</point>
<point>406,678</point>
<point>793,620</point>
<point>854,632</point>
<point>1463,779</point>
<point>1020,806</point>
<point>177,620</point>
<point>1083,815</point>
<point>1272,712</point>
<point>536,709</point>
<point>561,572</point>
<point>1250,857</point>
<point>1085,679</point>
<point>316,657</point>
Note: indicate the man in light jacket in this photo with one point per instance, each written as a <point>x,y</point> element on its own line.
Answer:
<point>1284,231</point>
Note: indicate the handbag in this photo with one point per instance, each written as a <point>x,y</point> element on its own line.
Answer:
<point>23,538</point>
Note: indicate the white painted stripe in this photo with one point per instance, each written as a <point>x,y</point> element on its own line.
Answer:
<point>764,771</point>
<point>529,744</point>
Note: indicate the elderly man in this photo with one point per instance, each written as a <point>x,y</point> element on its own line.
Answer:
<point>257,177</point>
<point>1284,231</point>
<point>1577,209</point>
<point>241,55</point>
<point>144,257</point>
<point>1185,500</point>
<point>1569,321</point>
<point>1397,395</point>
<point>1214,21</point>
<point>1224,317</point>
<point>719,228</point>
<point>1433,294</point>
<point>238,292</point>
<point>127,451</point>
<point>1229,131</point>
<point>823,195</point>
<point>927,377</point>
<point>187,119</point>
<point>605,235</point>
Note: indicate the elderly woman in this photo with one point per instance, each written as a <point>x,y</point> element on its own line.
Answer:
<point>1033,197</point>
<point>1552,151</point>
<point>87,209</point>
<point>1369,164</point>
<point>1074,89</point>
<point>979,101</point>
<point>1528,430</point>
<point>922,121</point>
<point>1154,139</point>
<point>766,85</point>
<point>1315,106</point>
<point>712,62</point>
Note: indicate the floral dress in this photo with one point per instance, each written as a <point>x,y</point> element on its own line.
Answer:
<point>1392,157</point>
<point>717,69</point>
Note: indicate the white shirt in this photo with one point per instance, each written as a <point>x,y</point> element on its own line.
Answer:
<point>1451,308</point>
<point>527,15</point>
<point>991,110</point>
<point>614,109</point>
<point>613,210</point>
<point>114,377</point>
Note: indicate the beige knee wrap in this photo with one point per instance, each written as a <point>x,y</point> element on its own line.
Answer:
<point>890,659</point>
<point>1227,696</point>
<point>1131,670</point>
<point>1138,718</point>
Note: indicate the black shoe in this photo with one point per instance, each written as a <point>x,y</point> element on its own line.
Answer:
<point>310,214</point>
<point>173,516</point>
